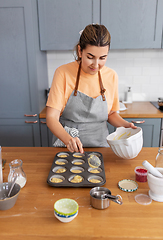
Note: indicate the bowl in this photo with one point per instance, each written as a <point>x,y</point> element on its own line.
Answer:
<point>8,202</point>
<point>156,186</point>
<point>65,219</point>
<point>126,142</point>
<point>66,207</point>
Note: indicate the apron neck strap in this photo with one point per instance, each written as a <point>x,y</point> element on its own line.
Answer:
<point>100,81</point>
<point>77,80</point>
<point>101,86</point>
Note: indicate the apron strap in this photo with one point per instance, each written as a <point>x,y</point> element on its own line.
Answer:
<point>100,81</point>
<point>101,86</point>
<point>77,80</point>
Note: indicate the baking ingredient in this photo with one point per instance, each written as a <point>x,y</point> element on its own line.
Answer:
<point>93,180</point>
<point>141,174</point>
<point>76,179</point>
<point>59,162</point>
<point>21,181</point>
<point>56,180</point>
<point>62,155</point>
<point>61,170</point>
<point>76,171</point>
<point>94,171</point>
<point>78,163</point>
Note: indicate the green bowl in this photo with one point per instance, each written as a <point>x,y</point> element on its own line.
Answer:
<point>66,206</point>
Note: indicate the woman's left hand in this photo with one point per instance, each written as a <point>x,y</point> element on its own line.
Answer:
<point>131,125</point>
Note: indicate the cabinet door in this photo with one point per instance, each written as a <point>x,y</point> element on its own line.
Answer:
<point>19,133</point>
<point>133,24</point>
<point>22,66</point>
<point>60,22</point>
<point>151,130</point>
<point>46,134</point>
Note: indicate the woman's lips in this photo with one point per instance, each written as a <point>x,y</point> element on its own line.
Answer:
<point>93,69</point>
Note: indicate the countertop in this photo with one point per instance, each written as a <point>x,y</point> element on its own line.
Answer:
<point>32,217</point>
<point>134,110</point>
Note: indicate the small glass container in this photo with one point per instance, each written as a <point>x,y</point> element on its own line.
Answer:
<point>17,169</point>
<point>159,158</point>
<point>141,174</point>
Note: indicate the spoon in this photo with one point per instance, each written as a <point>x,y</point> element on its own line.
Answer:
<point>152,169</point>
<point>12,185</point>
<point>94,161</point>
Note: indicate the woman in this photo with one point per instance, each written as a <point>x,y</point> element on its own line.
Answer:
<point>84,95</point>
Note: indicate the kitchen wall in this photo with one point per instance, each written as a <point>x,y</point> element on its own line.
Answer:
<point>140,69</point>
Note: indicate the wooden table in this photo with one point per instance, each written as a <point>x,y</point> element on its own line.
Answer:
<point>32,216</point>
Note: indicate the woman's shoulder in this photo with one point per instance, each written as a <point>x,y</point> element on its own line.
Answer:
<point>68,67</point>
<point>107,70</point>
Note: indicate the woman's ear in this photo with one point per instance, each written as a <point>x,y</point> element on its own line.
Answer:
<point>79,51</point>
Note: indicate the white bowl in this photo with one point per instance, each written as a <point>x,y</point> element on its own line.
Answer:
<point>156,186</point>
<point>65,219</point>
<point>126,142</point>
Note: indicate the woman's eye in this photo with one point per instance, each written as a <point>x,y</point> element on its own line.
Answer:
<point>89,57</point>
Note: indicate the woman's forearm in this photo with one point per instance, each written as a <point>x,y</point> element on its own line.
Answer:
<point>117,121</point>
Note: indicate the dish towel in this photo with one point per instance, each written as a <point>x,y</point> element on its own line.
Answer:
<point>73,133</point>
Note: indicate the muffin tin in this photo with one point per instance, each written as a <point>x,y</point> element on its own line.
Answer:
<point>73,164</point>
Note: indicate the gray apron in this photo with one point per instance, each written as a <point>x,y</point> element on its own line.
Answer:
<point>87,115</point>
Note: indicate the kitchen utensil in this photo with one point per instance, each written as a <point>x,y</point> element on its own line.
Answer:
<point>77,168</point>
<point>100,196</point>
<point>94,161</point>
<point>9,202</point>
<point>156,186</point>
<point>12,186</point>
<point>126,142</point>
<point>152,169</point>
<point>66,206</point>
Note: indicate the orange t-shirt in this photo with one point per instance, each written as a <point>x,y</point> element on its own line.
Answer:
<point>64,83</point>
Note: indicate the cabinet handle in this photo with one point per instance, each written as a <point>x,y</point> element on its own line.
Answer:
<point>138,121</point>
<point>43,122</point>
<point>31,121</point>
<point>34,115</point>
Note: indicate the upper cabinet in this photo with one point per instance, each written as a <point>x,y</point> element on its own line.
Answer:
<point>60,21</point>
<point>132,24</point>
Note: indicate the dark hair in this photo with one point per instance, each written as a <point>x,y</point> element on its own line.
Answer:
<point>95,35</point>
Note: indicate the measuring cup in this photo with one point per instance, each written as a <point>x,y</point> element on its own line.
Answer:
<point>100,198</point>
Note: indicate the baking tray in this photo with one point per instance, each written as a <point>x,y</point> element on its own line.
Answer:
<point>70,160</point>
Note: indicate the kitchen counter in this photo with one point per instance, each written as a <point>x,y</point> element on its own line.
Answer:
<point>134,110</point>
<point>32,216</point>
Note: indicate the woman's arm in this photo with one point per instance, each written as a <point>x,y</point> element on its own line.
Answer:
<point>117,121</point>
<point>52,120</point>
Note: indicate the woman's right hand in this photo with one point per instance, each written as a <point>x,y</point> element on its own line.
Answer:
<point>75,145</point>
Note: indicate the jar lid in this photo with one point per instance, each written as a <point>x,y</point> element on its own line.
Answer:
<point>128,185</point>
<point>143,199</point>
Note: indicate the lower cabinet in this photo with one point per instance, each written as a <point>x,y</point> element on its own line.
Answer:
<point>20,132</point>
<point>151,130</point>
<point>45,134</point>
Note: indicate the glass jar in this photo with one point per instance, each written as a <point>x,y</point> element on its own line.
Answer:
<point>159,158</point>
<point>17,169</point>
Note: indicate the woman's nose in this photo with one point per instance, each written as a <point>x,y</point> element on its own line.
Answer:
<point>95,63</point>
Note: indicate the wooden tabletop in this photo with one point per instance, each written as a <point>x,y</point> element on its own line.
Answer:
<point>134,110</point>
<point>32,217</point>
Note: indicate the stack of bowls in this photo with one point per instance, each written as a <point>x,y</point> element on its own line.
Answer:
<point>126,142</point>
<point>66,209</point>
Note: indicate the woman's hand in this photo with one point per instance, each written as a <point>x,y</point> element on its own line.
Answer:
<point>75,145</point>
<point>131,125</point>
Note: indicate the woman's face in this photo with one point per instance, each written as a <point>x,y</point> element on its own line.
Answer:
<point>93,58</point>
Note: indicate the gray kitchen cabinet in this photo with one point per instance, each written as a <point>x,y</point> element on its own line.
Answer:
<point>46,134</point>
<point>60,21</point>
<point>23,77</point>
<point>133,24</point>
